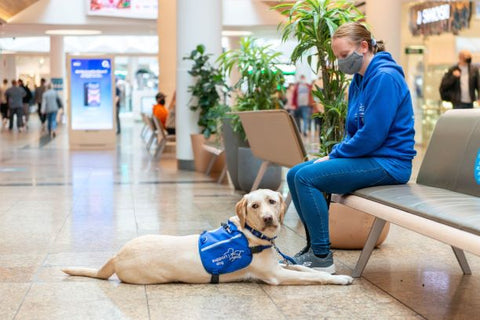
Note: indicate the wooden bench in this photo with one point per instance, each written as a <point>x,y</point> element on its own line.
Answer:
<point>274,138</point>
<point>161,137</point>
<point>444,202</point>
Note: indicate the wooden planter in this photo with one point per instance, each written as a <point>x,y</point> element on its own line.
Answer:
<point>349,228</point>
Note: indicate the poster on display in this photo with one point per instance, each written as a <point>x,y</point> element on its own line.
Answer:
<point>137,9</point>
<point>91,93</point>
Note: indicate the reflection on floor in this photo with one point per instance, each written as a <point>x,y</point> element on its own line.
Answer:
<point>76,208</point>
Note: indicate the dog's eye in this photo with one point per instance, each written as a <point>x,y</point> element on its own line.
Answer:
<point>255,206</point>
<point>271,201</point>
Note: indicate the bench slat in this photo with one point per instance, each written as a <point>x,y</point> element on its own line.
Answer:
<point>452,236</point>
<point>455,209</point>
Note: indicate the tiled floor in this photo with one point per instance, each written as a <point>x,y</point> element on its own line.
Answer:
<point>69,208</point>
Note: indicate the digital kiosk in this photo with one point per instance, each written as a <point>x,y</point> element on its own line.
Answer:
<point>91,101</point>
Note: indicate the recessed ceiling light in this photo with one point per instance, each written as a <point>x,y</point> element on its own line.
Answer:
<point>236,33</point>
<point>73,32</point>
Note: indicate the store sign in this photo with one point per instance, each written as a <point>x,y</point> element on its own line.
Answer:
<point>436,17</point>
<point>91,94</point>
<point>433,14</point>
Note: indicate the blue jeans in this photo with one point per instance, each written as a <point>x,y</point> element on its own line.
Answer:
<point>306,117</point>
<point>308,181</point>
<point>52,121</point>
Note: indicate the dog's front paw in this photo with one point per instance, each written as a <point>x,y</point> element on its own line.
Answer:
<point>343,279</point>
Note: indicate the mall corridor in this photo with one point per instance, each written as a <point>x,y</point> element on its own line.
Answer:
<point>76,208</point>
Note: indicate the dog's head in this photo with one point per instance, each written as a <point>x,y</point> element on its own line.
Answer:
<point>263,210</point>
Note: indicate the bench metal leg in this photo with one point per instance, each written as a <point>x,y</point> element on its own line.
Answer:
<point>210,164</point>
<point>144,131</point>
<point>222,175</point>
<point>260,174</point>
<point>150,141</point>
<point>462,260</point>
<point>373,236</point>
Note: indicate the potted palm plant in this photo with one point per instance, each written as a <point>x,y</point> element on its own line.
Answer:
<point>257,89</point>
<point>207,100</point>
<point>312,23</point>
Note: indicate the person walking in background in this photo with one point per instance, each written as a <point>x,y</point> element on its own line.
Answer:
<point>15,95</point>
<point>159,109</point>
<point>378,147</point>
<point>461,84</point>
<point>3,103</point>
<point>118,93</point>
<point>50,104</point>
<point>26,101</point>
<point>303,102</point>
<point>39,91</point>
<point>289,100</point>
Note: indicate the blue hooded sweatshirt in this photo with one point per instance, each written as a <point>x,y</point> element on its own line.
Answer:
<point>380,120</point>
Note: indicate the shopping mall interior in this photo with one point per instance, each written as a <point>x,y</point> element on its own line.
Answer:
<point>74,195</point>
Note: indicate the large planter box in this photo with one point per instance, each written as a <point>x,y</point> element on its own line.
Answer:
<point>349,228</point>
<point>232,142</point>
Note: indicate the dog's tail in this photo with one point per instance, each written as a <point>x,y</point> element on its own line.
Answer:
<point>104,272</point>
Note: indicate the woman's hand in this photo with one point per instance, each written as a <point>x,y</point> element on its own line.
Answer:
<point>322,159</point>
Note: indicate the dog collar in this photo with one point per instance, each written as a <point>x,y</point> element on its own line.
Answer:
<point>258,234</point>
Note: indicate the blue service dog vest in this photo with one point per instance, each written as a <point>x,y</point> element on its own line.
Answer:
<point>224,250</point>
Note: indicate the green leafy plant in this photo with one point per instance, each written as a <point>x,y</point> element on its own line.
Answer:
<point>260,78</point>
<point>312,23</point>
<point>207,91</point>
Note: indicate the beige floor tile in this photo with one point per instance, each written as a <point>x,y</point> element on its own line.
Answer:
<point>225,301</point>
<point>84,300</point>
<point>77,208</point>
<point>11,298</point>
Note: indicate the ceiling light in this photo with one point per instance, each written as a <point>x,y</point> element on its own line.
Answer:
<point>236,33</point>
<point>73,32</point>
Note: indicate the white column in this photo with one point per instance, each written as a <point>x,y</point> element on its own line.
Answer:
<point>198,22</point>
<point>384,17</point>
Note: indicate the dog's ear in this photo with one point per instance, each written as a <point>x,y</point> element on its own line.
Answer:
<point>241,210</point>
<point>282,207</point>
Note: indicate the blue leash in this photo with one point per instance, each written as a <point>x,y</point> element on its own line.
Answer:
<point>286,259</point>
<point>258,234</point>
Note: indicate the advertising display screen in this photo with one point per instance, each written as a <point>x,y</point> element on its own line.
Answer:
<point>91,94</point>
<point>136,9</point>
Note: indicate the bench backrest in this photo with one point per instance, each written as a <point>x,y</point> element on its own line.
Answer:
<point>273,136</point>
<point>452,159</point>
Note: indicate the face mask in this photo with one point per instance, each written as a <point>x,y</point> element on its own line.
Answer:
<point>468,60</point>
<point>351,64</point>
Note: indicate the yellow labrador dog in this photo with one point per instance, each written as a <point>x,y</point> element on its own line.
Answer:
<point>154,259</point>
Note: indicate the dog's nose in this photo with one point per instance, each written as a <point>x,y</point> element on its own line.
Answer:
<point>268,219</point>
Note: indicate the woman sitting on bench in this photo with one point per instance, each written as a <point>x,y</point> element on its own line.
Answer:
<point>378,147</point>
